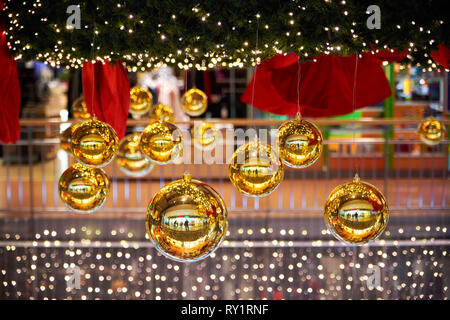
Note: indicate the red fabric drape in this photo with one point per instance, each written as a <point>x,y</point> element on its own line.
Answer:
<point>326,85</point>
<point>442,56</point>
<point>110,93</point>
<point>9,92</point>
<point>207,84</point>
<point>389,55</point>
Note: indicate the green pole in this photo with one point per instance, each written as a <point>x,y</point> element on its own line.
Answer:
<point>389,114</point>
<point>326,153</point>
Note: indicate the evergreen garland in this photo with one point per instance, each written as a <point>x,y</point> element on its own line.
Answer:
<point>205,33</point>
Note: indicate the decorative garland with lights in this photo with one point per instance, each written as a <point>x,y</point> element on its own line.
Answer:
<point>205,33</point>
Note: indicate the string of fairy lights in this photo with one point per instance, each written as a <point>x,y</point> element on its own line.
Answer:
<point>134,271</point>
<point>203,34</point>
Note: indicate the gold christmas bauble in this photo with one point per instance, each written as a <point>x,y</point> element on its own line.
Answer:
<point>161,142</point>
<point>79,109</point>
<point>187,220</point>
<point>161,112</point>
<point>299,143</point>
<point>65,137</point>
<point>431,131</point>
<point>194,102</point>
<point>141,101</point>
<point>130,159</point>
<point>204,136</point>
<point>255,169</point>
<point>94,143</point>
<point>356,212</point>
<point>83,189</point>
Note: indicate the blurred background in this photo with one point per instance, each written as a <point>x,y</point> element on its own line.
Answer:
<point>277,247</point>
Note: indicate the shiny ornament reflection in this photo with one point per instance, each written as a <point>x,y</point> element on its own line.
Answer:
<point>299,143</point>
<point>255,169</point>
<point>65,137</point>
<point>83,189</point>
<point>431,131</point>
<point>194,102</point>
<point>130,159</point>
<point>79,109</point>
<point>161,142</point>
<point>161,112</point>
<point>204,136</point>
<point>141,101</point>
<point>356,212</point>
<point>187,220</point>
<point>94,143</point>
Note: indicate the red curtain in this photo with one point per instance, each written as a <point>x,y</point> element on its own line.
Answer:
<point>326,85</point>
<point>106,91</point>
<point>9,92</point>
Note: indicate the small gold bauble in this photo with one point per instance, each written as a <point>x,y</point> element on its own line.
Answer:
<point>299,143</point>
<point>431,131</point>
<point>141,101</point>
<point>161,142</point>
<point>187,220</point>
<point>83,189</point>
<point>356,212</point>
<point>94,143</point>
<point>65,137</point>
<point>204,136</point>
<point>161,112</point>
<point>255,169</point>
<point>79,109</point>
<point>194,102</point>
<point>130,159</point>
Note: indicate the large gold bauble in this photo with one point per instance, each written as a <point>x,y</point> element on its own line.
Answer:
<point>356,212</point>
<point>299,143</point>
<point>161,142</point>
<point>65,137</point>
<point>204,136</point>
<point>79,109</point>
<point>83,189</point>
<point>161,112</point>
<point>130,159</point>
<point>94,143</point>
<point>255,169</point>
<point>194,102</point>
<point>431,131</point>
<point>141,101</point>
<point>187,220</point>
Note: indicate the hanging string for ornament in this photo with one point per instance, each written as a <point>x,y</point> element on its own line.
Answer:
<point>354,106</point>
<point>185,90</point>
<point>185,75</point>
<point>255,70</point>
<point>194,102</point>
<point>93,73</point>
<point>94,143</point>
<point>255,169</point>
<point>356,212</point>
<point>299,141</point>
<point>299,76</point>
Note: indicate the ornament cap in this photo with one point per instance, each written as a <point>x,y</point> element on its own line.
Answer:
<point>298,116</point>
<point>356,179</point>
<point>187,177</point>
